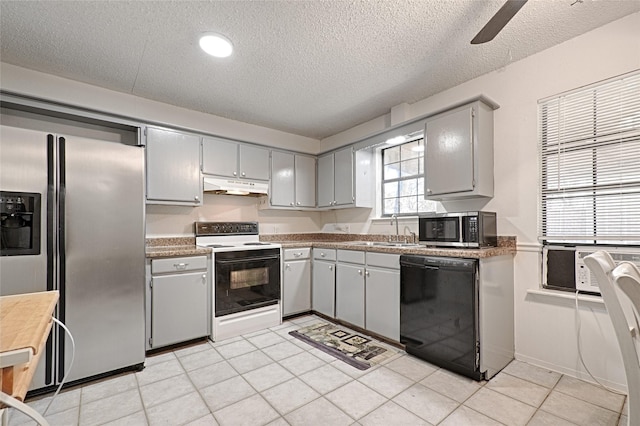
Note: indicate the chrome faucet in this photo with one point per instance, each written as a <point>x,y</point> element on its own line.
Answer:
<point>411,234</point>
<point>395,216</point>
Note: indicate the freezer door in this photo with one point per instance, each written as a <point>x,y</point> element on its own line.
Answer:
<point>23,168</point>
<point>102,261</point>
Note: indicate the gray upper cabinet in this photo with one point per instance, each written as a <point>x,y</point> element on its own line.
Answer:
<point>325,181</point>
<point>459,153</point>
<point>305,174</point>
<point>219,157</point>
<point>282,179</point>
<point>173,167</point>
<point>233,159</point>
<point>254,162</point>
<point>343,184</point>
<point>293,180</point>
<point>346,179</point>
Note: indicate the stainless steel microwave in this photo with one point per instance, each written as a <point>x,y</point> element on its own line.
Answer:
<point>463,229</point>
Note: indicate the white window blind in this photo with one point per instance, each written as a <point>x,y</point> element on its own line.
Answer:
<point>589,154</point>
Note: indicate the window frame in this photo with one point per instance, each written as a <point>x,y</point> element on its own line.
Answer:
<point>587,139</point>
<point>416,177</point>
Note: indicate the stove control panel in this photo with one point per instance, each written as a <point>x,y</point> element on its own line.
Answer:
<point>206,229</point>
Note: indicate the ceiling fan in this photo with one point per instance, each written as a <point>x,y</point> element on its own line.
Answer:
<point>498,21</point>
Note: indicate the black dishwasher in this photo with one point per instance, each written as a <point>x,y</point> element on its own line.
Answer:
<point>439,312</point>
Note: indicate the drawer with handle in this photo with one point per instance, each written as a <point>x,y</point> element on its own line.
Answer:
<point>324,254</point>
<point>297,253</point>
<point>178,264</point>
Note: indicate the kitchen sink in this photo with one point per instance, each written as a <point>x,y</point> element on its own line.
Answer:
<point>395,244</point>
<point>385,244</point>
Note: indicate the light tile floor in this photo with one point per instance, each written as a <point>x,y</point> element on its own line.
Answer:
<point>270,378</point>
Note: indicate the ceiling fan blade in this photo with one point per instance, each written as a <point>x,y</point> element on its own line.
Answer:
<point>498,21</point>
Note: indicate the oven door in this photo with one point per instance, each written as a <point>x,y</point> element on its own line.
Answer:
<point>246,279</point>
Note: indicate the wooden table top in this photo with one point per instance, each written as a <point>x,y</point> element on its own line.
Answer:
<point>24,318</point>
<point>25,323</point>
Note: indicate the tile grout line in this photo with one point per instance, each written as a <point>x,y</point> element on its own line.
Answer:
<point>186,373</point>
<point>295,376</point>
<point>144,407</point>
<point>241,375</point>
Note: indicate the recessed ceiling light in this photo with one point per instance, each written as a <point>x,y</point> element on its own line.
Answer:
<point>216,45</point>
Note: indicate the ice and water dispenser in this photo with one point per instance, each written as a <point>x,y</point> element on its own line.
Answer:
<point>19,223</point>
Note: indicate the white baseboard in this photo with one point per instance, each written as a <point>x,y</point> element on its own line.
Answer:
<point>578,374</point>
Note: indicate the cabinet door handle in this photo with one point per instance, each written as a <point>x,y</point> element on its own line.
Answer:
<point>291,203</point>
<point>235,173</point>
<point>322,254</point>
<point>298,203</point>
<point>297,254</point>
<point>204,278</point>
<point>428,191</point>
<point>196,198</point>
<point>243,174</point>
<point>366,273</point>
<point>180,266</point>
<point>331,267</point>
<point>359,271</point>
<point>287,266</point>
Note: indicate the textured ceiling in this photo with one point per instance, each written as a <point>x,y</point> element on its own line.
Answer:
<point>312,68</point>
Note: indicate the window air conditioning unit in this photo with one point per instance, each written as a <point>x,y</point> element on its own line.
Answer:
<point>585,280</point>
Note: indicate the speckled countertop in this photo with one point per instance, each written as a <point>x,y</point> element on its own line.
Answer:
<point>174,247</point>
<point>185,246</point>
<point>506,245</point>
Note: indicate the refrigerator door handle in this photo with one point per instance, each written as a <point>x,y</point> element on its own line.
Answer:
<point>62,180</point>
<point>51,241</point>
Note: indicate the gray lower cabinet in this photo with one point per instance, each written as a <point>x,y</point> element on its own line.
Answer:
<point>382,294</point>
<point>368,291</point>
<point>383,302</point>
<point>173,167</point>
<point>323,289</point>
<point>350,281</point>
<point>296,283</point>
<point>179,308</point>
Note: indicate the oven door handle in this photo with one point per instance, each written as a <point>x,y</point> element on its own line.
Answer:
<point>248,259</point>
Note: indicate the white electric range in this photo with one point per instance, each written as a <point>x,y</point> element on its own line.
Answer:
<point>246,278</point>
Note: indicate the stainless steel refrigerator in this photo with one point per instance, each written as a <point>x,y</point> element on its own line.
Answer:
<point>88,195</point>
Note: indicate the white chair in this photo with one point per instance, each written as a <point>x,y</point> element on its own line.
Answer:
<point>606,272</point>
<point>627,278</point>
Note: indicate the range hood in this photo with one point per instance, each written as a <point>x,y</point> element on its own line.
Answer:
<point>231,186</point>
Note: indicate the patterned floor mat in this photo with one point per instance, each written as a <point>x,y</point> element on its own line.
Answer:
<point>356,350</point>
